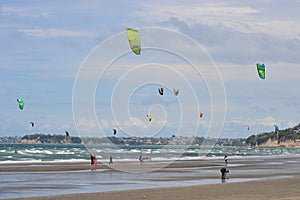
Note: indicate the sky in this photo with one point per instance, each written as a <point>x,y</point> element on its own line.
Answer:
<point>71,63</point>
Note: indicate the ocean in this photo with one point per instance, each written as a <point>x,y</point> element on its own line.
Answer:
<point>22,153</point>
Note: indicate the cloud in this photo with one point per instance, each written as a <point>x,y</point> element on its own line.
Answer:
<point>104,123</point>
<point>48,33</point>
<point>196,10</point>
<point>24,12</point>
<point>265,121</point>
<point>232,46</point>
<point>65,126</point>
<point>85,125</point>
<point>46,126</point>
<point>241,18</point>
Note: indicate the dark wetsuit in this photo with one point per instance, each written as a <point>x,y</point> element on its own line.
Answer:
<point>224,171</point>
<point>92,160</point>
<point>110,160</point>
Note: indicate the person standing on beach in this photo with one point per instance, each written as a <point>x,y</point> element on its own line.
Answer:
<point>92,162</point>
<point>225,159</point>
<point>110,160</point>
<point>95,161</point>
<point>141,158</point>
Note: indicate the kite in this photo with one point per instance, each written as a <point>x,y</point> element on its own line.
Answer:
<point>115,131</point>
<point>161,91</point>
<point>67,135</point>
<point>176,91</point>
<point>149,117</point>
<point>248,128</point>
<point>21,103</point>
<point>276,128</point>
<point>261,70</point>
<point>201,115</point>
<point>134,40</point>
<point>32,124</point>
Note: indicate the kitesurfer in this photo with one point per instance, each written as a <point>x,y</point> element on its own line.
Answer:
<point>225,159</point>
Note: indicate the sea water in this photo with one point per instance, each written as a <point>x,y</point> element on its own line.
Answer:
<point>22,153</point>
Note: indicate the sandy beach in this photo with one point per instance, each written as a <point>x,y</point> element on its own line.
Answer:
<point>280,189</point>
<point>275,177</point>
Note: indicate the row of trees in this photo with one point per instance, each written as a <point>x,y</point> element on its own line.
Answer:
<point>51,138</point>
<point>290,134</point>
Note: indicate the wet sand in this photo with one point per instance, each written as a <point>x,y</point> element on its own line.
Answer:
<point>250,178</point>
<point>280,189</point>
<point>135,167</point>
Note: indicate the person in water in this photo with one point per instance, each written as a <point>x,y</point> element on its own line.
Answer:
<point>225,159</point>
<point>224,172</point>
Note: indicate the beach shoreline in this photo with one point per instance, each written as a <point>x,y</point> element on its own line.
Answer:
<point>181,179</point>
<point>276,188</point>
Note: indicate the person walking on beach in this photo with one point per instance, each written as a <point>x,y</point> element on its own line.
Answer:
<point>110,160</point>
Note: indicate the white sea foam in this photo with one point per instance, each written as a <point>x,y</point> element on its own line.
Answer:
<point>67,152</point>
<point>135,150</point>
<point>33,151</point>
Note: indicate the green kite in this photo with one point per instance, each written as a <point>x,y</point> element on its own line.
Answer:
<point>134,40</point>
<point>261,70</point>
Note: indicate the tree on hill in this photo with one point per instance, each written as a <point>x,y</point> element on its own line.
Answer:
<point>50,138</point>
<point>290,134</point>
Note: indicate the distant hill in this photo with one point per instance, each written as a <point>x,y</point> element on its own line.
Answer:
<point>49,139</point>
<point>60,139</point>
<point>286,138</point>
<point>10,140</point>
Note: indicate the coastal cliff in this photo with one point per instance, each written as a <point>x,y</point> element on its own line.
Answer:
<point>26,141</point>
<point>285,144</point>
<point>288,138</point>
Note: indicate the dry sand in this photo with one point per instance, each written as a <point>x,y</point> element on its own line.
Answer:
<point>285,188</point>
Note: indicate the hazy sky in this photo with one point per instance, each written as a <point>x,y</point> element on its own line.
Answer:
<point>46,44</point>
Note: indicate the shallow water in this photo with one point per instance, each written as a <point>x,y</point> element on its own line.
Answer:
<point>76,152</point>
<point>28,184</point>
